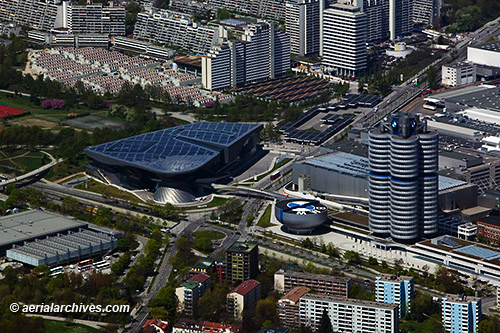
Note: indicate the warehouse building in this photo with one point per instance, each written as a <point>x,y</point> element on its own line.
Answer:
<point>43,238</point>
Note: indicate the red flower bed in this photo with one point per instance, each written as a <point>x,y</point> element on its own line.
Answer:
<point>6,111</point>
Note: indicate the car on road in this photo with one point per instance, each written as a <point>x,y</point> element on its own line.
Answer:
<point>238,233</point>
<point>173,235</point>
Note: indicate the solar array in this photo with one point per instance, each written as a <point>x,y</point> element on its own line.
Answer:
<point>365,100</point>
<point>342,162</point>
<point>179,149</point>
<point>479,252</point>
<point>317,138</point>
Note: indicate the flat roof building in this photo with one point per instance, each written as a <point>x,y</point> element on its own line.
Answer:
<point>398,290</point>
<point>461,314</point>
<point>458,74</point>
<point>339,286</point>
<point>242,262</point>
<point>349,315</point>
<point>484,54</point>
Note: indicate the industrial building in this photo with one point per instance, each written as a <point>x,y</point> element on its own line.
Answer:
<point>42,238</point>
<point>173,162</point>
<point>458,74</point>
<point>403,158</point>
<point>261,53</point>
<point>302,23</point>
<point>398,290</point>
<point>242,262</point>
<point>349,315</point>
<point>329,285</point>
<point>486,54</point>
<point>344,39</point>
<point>461,314</point>
<point>300,216</point>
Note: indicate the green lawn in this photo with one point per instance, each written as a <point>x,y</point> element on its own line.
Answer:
<point>64,169</point>
<point>265,219</point>
<point>20,161</point>
<point>54,326</point>
<point>109,191</point>
<point>212,234</point>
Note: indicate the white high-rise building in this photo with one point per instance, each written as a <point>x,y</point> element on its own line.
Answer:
<point>344,39</point>
<point>349,315</point>
<point>262,53</point>
<point>461,314</point>
<point>424,11</point>
<point>302,22</point>
<point>400,17</point>
<point>39,15</point>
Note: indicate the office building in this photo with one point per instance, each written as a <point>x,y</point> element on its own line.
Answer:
<point>303,26</point>
<point>344,39</point>
<point>349,315</point>
<point>261,53</point>
<point>242,262</point>
<point>244,297</point>
<point>461,314</point>
<point>36,14</point>
<point>400,18</point>
<point>339,286</point>
<point>190,291</point>
<point>403,158</point>
<point>398,290</point>
<point>458,74</point>
<point>288,306</point>
<point>96,18</point>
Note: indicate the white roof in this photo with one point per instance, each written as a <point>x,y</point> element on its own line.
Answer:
<point>491,139</point>
<point>489,116</point>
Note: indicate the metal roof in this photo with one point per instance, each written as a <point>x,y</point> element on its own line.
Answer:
<point>179,149</point>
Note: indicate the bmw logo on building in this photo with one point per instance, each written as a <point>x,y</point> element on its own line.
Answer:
<point>300,215</point>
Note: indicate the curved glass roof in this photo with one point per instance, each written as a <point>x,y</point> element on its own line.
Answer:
<point>179,149</point>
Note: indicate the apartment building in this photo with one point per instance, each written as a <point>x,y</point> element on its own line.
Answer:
<point>39,15</point>
<point>330,285</point>
<point>302,23</point>
<point>349,315</point>
<point>288,306</point>
<point>461,314</point>
<point>344,39</point>
<point>269,9</point>
<point>96,18</point>
<point>400,18</point>
<point>244,297</point>
<point>458,74</point>
<point>489,228</point>
<point>187,325</point>
<point>190,291</point>
<point>242,262</point>
<point>260,54</point>
<point>423,11</point>
<point>398,290</point>
<point>175,29</point>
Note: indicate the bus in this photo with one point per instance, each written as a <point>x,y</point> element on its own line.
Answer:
<point>102,266</point>
<point>99,263</point>
<point>275,175</point>
<point>56,271</point>
<point>430,106</point>
<point>85,262</point>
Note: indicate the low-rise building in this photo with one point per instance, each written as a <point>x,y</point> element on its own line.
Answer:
<point>461,314</point>
<point>243,297</point>
<point>349,315</point>
<point>288,306</point>
<point>328,285</point>
<point>458,74</point>
<point>489,228</point>
<point>398,290</point>
<point>186,325</point>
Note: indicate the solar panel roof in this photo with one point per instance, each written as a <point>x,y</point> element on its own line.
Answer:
<point>179,149</point>
<point>479,252</point>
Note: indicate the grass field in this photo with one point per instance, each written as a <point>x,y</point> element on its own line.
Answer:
<point>34,121</point>
<point>212,234</point>
<point>109,191</point>
<point>19,161</point>
<point>54,326</point>
<point>265,219</point>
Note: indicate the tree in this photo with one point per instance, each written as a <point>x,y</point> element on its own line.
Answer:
<point>352,257</point>
<point>265,313</point>
<point>223,14</point>
<point>325,323</point>
<point>203,244</point>
<point>372,261</point>
<point>431,77</point>
<point>307,243</point>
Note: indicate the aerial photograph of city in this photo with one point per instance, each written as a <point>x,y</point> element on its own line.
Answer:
<point>250,166</point>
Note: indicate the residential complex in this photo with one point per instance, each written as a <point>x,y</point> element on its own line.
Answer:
<point>242,262</point>
<point>344,39</point>
<point>190,291</point>
<point>400,18</point>
<point>330,285</point>
<point>288,306</point>
<point>349,315</point>
<point>423,11</point>
<point>261,53</point>
<point>461,314</point>
<point>395,290</point>
<point>176,30</point>
<point>40,15</point>
<point>489,228</point>
<point>403,157</point>
<point>96,18</point>
<point>302,23</point>
<point>244,297</point>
